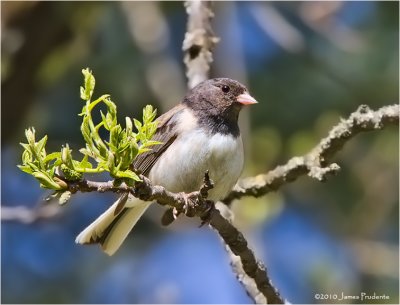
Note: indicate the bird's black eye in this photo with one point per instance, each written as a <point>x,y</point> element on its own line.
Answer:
<point>225,89</point>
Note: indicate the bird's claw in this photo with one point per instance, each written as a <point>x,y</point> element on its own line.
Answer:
<point>175,213</point>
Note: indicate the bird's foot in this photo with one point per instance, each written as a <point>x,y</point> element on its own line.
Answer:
<point>189,202</point>
<point>172,214</point>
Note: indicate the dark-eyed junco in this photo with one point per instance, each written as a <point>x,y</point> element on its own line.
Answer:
<point>199,134</point>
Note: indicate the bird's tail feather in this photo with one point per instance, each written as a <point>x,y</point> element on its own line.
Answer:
<point>112,227</point>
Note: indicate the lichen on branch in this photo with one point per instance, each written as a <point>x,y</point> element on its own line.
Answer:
<point>199,41</point>
<point>317,163</point>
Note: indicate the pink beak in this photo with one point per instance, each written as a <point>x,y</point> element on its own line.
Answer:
<point>246,99</point>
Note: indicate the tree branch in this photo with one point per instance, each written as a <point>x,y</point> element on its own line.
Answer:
<point>317,163</point>
<point>25,215</point>
<point>199,41</point>
<point>197,45</point>
<point>251,273</point>
<point>196,204</point>
<point>192,204</point>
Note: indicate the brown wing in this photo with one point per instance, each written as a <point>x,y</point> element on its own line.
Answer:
<point>166,133</point>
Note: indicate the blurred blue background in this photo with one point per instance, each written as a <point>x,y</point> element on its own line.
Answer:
<point>307,63</point>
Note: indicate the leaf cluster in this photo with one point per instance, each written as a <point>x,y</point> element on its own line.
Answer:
<point>113,153</point>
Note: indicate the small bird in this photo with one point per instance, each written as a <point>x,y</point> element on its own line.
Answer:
<point>199,134</point>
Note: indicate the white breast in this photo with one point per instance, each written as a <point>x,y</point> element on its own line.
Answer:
<point>182,166</point>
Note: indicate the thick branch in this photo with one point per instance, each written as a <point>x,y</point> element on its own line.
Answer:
<point>316,163</point>
<point>199,41</point>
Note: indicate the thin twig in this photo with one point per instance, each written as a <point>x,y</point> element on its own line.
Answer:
<point>316,163</point>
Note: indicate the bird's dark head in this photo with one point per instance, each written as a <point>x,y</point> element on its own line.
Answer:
<point>220,99</point>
